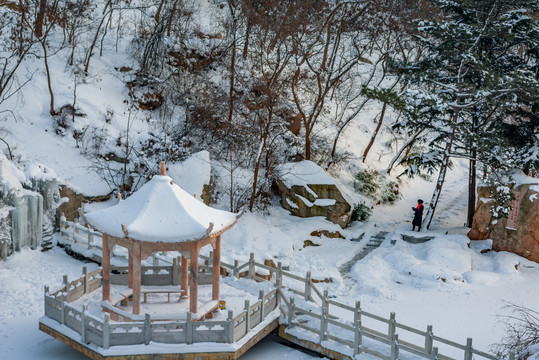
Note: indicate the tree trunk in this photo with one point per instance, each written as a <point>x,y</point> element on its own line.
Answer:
<point>38,26</point>
<point>307,143</point>
<point>443,171</point>
<point>51,110</point>
<point>472,176</point>
<point>408,145</point>
<point>373,137</point>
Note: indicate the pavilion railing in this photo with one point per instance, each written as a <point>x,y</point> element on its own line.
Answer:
<point>349,325</point>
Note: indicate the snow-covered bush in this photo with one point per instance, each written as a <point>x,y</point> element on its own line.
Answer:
<point>361,212</point>
<point>373,185</point>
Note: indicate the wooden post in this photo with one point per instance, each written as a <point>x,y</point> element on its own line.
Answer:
<point>261,298</point>
<point>357,312</point>
<point>434,354</point>
<point>106,267</point>
<point>280,272</point>
<point>85,273</point>
<point>308,286</point>
<point>252,266</point>
<point>147,329</point>
<point>358,337</point>
<point>235,271</point>
<point>184,278</point>
<point>323,324</point>
<point>130,268</point>
<point>189,329</point>
<point>291,313</point>
<point>62,309</point>
<point>391,326</point>
<point>395,347</point>
<point>193,280</point>
<point>137,276</point>
<point>248,316</point>
<point>230,320</point>
<point>83,324</point>
<point>155,263</point>
<point>66,284</point>
<point>90,238</point>
<point>216,268</point>
<point>175,271</point>
<point>468,350</point>
<point>429,340</point>
<point>106,332</point>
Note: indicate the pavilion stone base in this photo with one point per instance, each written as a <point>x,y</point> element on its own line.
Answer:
<point>156,351</point>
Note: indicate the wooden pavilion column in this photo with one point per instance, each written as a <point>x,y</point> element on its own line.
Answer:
<point>216,270</point>
<point>193,279</point>
<point>129,269</point>
<point>184,278</point>
<point>105,260</point>
<point>137,276</point>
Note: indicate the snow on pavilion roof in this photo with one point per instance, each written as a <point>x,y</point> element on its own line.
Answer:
<point>160,211</point>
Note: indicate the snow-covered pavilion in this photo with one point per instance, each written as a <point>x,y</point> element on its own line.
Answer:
<point>161,216</point>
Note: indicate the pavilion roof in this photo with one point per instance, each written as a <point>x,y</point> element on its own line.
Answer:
<point>161,211</point>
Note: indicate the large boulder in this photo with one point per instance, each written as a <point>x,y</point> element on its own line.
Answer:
<point>519,232</point>
<point>306,190</point>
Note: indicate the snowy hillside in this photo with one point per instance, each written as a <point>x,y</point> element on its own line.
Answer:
<point>215,90</point>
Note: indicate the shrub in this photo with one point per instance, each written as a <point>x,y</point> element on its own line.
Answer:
<point>361,212</point>
<point>371,184</point>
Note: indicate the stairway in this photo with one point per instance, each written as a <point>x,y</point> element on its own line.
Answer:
<point>374,242</point>
<point>47,232</point>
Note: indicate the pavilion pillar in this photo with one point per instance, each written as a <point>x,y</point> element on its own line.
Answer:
<point>137,276</point>
<point>193,280</point>
<point>184,278</point>
<point>216,270</point>
<point>105,261</point>
<point>130,269</point>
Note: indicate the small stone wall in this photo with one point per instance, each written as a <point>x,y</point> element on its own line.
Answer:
<point>519,233</point>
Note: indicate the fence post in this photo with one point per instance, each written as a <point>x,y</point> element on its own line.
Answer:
<point>45,298</point>
<point>155,263</point>
<point>261,298</point>
<point>291,313</point>
<point>358,337</point>
<point>83,324</point>
<point>66,282</point>
<point>62,309</point>
<point>147,329</point>
<point>434,354</point>
<point>325,302</point>
<point>357,312</point>
<point>395,347</point>
<point>428,340</point>
<point>468,350</point>
<point>235,272</point>
<point>176,271</point>
<point>189,329</point>
<point>280,272</point>
<point>511,356</point>
<point>90,238</point>
<point>248,316</point>
<point>230,320</point>
<point>106,331</point>
<point>252,266</point>
<point>308,286</point>
<point>391,326</point>
<point>323,325</point>
<point>85,273</point>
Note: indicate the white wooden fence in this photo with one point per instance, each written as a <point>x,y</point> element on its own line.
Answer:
<point>350,331</point>
<point>105,333</point>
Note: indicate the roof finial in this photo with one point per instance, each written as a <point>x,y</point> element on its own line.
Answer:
<point>163,169</point>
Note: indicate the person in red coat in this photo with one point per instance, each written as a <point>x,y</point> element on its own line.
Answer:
<point>418,215</point>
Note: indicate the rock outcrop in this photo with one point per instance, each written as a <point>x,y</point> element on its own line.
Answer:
<point>519,233</point>
<point>306,190</point>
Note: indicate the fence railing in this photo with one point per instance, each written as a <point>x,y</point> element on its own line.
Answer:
<point>352,331</point>
<point>105,333</point>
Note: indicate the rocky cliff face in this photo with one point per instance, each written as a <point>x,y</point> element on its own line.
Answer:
<point>519,233</point>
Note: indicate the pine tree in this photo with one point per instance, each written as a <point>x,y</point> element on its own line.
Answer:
<point>478,72</point>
